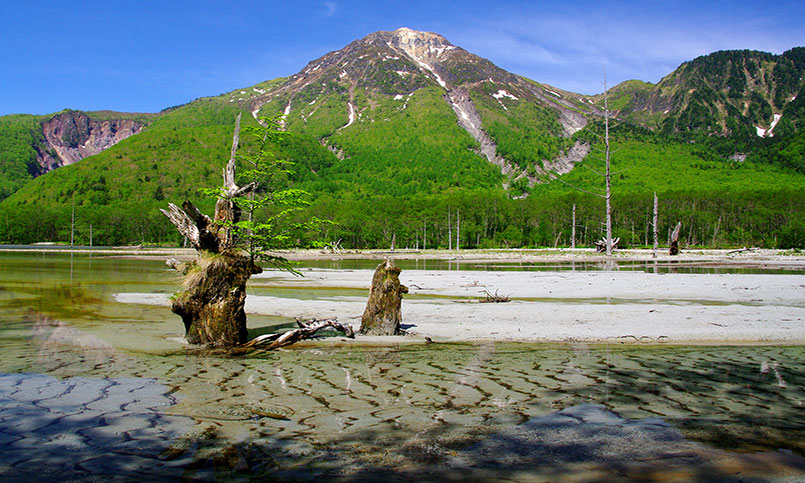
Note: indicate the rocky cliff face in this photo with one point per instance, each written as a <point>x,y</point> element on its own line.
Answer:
<point>72,136</point>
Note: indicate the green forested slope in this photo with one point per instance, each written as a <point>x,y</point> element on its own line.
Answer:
<point>19,136</point>
<point>726,100</point>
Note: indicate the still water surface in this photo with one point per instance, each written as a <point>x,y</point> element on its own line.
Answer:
<point>94,388</point>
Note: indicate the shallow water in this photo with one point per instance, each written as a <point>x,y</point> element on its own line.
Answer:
<point>93,388</point>
<point>458,264</point>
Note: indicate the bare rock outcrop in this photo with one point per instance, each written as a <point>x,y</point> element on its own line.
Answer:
<point>563,163</point>
<point>470,120</point>
<point>71,136</point>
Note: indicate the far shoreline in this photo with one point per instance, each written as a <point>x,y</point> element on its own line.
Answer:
<point>792,259</point>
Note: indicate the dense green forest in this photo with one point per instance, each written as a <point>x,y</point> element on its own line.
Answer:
<point>720,203</point>
<point>19,136</point>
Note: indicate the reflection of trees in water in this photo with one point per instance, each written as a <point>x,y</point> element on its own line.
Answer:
<point>63,349</point>
<point>55,299</point>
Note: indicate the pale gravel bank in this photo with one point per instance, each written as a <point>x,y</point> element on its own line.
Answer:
<point>560,306</point>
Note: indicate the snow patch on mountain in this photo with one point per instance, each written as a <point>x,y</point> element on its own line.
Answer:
<point>769,132</point>
<point>285,113</point>
<point>503,93</point>
<point>427,67</point>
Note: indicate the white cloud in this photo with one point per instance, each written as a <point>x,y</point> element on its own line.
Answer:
<point>331,8</point>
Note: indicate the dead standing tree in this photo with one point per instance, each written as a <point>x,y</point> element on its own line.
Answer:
<point>607,174</point>
<point>211,304</point>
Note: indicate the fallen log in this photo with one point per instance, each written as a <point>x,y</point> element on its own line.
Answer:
<point>490,298</point>
<point>306,330</point>
<point>740,250</point>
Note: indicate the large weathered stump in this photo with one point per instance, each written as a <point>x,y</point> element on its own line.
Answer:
<point>674,245</point>
<point>211,305</point>
<point>383,315</point>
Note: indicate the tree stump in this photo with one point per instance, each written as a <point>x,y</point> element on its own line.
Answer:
<point>382,315</point>
<point>674,245</point>
<point>212,303</point>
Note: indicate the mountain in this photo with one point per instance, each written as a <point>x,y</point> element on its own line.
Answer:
<point>406,122</point>
<point>739,93</point>
<point>402,80</point>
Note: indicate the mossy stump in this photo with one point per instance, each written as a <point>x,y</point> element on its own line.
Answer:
<point>212,303</point>
<point>383,315</point>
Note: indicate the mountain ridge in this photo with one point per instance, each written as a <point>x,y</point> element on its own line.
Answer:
<point>725,93</point>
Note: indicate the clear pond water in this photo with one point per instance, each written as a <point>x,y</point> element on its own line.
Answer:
<point>90,388</point>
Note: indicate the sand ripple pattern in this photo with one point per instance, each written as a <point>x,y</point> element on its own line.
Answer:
<point>412,410</point>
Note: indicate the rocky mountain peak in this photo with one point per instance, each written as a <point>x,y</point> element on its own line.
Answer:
<point>419,45</point>
<point>351,86</point>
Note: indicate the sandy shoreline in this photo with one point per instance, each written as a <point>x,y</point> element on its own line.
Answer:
<point>557,306</point>
<point>703,257</point>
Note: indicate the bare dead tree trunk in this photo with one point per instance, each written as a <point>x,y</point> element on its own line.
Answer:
<point>573,228</point>
<point>211,304</point>
<point>655,225</point>
<point>306,330</point>
<point>449,232</point>
<point>674,244</point>
<point>608,175</point>
<point>715,231</point>
<point>383,315</point>
<point>424,234</point>
<point>72,223</point>
<point>458,230</point>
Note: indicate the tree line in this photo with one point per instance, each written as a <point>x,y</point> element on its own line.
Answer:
<point>460,218</point>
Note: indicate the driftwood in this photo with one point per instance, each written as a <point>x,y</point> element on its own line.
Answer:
<point>306,330</point>
<point>382,315</point>
<point>211,304</point>
<point>601,245</point>
<point>740,250</point>
<point>490,298</point>
<point>674,244</point>
<point>334,247</point>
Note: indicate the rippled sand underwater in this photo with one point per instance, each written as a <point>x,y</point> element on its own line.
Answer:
<point>93,389</point>
<point>438,410</point>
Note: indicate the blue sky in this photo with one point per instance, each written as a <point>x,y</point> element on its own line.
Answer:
<point>144,56</point>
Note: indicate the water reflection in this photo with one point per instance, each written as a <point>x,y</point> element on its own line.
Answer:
<point>653,266</point>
